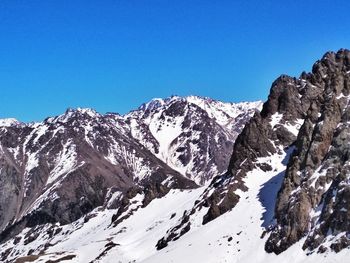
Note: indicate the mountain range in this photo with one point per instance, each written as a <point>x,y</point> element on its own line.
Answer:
<point>185,179</point>
<point>60,170</point>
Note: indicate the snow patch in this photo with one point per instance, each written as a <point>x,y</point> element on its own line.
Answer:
<point>275,119</point>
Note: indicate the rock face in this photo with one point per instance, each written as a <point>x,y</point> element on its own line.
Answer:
<point>313,200</point>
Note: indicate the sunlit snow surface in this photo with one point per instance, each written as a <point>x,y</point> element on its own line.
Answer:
<point>8,122</point>
<point>233,237</point>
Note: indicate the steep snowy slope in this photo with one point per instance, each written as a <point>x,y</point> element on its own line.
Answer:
<point>132,239</point>
<point>193,135</point>
<point>308,117</point>
<point>240,234</point>
<point>58,171</point>
<point>236,236</point>
<point>62,168</point>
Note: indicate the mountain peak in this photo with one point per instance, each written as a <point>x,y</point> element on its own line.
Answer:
<point>75,113</point>
<point>156,103</point>
<point>89,111</point>
<point>151,105</point>
<point>340,53</point>
<point>187,132</point>
<point>9,122</point>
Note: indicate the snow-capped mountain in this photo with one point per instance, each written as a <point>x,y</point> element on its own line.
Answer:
<point>9,122</point>
<point>290,165</point>
<point>193,135</point>
<point>59,170</point>
<point>62,168</point>
<point>283,197</point>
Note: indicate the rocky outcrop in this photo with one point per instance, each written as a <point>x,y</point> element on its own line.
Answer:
<point>308,203</point>
<point>317,170</point>
<point>308,117</point>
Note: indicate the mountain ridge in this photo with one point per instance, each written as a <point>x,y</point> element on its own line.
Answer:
<point>303,124</point>
<point>282,194</point>
<point>91,109</point>
<point>59,170</point>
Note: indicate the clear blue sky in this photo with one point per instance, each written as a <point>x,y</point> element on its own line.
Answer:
<point>115,55</point>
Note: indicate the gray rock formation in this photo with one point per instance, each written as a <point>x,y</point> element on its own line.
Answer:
<point>314,195</point>
<point>309,117</point>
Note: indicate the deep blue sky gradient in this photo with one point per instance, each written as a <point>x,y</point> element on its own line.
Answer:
<point>115,55</point>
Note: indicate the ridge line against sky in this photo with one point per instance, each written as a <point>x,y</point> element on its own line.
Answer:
<point>114,112</point>
<point>114,56</point>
